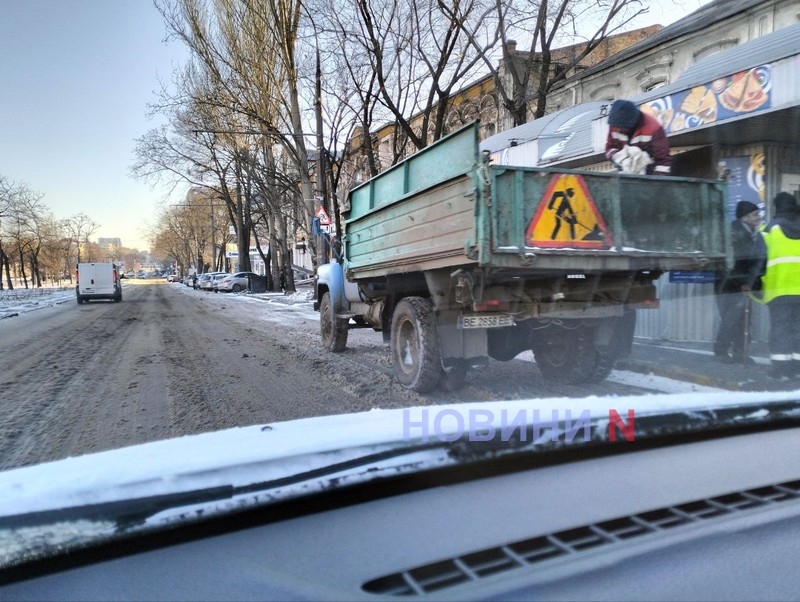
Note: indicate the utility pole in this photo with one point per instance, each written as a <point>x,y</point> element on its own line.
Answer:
<point>322,247</point>
<point>213,245</point>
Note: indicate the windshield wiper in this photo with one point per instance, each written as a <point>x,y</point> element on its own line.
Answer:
<point>378,461</point>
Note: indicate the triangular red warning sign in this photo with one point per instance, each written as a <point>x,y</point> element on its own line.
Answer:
<point>568,217</point>
<point>323,216</point>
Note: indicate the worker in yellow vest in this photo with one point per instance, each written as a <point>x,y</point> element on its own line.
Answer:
<point>781,286</point>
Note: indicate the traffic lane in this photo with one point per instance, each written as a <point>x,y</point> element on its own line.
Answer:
<point>67,374</point>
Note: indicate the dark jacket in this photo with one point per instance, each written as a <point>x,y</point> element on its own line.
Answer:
<point>748,259</point>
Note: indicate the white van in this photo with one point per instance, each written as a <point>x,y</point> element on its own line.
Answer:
<point>97,281</point>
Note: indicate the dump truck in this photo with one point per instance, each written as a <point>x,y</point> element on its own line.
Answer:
<point>456,260</point>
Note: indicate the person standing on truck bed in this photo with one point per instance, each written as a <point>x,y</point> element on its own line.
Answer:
<point>630,128</point>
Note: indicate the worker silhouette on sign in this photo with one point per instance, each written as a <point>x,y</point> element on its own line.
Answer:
<point>566,216</point>
<point>564,212</point>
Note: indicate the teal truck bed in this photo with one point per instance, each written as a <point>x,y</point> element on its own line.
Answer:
<point>456,261</point>
<point>444,207</point>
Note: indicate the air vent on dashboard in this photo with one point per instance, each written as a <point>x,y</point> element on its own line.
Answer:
<point>470,567</point>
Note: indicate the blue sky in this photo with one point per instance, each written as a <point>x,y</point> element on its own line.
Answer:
<point>75,80</point>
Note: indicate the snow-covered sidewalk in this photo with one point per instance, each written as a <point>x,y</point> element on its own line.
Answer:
<point>21,300</point>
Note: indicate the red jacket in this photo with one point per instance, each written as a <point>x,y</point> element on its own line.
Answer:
<point>650,137</point>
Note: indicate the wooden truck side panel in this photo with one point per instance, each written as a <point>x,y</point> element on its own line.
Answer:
<point>425,231</point>
<point>416,215</point>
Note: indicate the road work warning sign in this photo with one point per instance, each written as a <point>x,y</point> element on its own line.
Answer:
<point>567,217</point>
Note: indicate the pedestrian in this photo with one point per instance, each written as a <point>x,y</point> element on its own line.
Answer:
<point>733,287</point>
<point>781,286</point>
<point>636,142</point>
<point>283,280</point>
<point>194,280</point>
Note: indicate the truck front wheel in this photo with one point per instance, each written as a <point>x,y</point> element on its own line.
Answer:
<point>415,345</point>
<point>333,329</point>
<point>566,355</point>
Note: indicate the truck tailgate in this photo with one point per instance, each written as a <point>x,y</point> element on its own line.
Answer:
<point>567,219</point>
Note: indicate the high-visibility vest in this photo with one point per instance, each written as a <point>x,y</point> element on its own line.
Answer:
<point>782,277</point>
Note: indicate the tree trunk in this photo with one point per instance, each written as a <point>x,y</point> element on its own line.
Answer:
<point>23,274</point>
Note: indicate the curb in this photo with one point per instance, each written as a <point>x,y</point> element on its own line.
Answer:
<point>683,374</point>
<point>677,373</point>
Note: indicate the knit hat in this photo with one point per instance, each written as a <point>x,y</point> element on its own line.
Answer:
<point>624,115</point>
<point>785,203</point>
<point>745,208</point>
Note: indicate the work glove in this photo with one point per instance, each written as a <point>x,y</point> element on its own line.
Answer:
<point>632,159</point>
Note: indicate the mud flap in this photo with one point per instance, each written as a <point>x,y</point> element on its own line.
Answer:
<point>614,336</point>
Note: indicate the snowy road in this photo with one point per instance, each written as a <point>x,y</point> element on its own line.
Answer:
<point>170,361</point>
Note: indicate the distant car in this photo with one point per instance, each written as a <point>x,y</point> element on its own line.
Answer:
<point>173,278</point>
<point>302,274</point>
<point>235,282</point>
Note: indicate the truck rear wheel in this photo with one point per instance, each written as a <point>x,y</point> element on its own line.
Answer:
<point>603,365</point>
<point>566,355</point>
<point>415,345</point>
<point>333,329</point>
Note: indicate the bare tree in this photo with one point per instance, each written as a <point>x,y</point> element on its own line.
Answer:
<point>548,25</point>
<point>6,190</point>
<point>79,228</point>
<point>417,54</point>
<point>247,51</point>
<point>24,227</point>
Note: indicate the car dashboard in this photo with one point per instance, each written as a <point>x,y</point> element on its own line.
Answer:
<point>712,518</point>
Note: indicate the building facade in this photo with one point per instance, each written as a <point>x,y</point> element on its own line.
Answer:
<point>724,84</point>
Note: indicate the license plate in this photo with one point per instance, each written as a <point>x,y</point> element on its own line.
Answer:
<point>485,321</point>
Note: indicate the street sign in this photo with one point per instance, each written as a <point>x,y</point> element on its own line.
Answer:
<point>324,220</point>
<point>691,277</point>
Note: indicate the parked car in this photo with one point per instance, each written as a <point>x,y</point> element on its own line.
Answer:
<point>235,283</point>
<point>173,278</point>
<point>216,279</point>
<point>204,281</point>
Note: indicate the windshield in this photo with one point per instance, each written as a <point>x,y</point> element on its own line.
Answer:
<point>429,259</point>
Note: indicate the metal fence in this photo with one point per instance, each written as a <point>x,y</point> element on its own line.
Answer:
<point>688,312</point>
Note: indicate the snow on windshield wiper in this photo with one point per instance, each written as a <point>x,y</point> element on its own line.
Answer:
<point>428,443</point>
<point>156,494</point>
